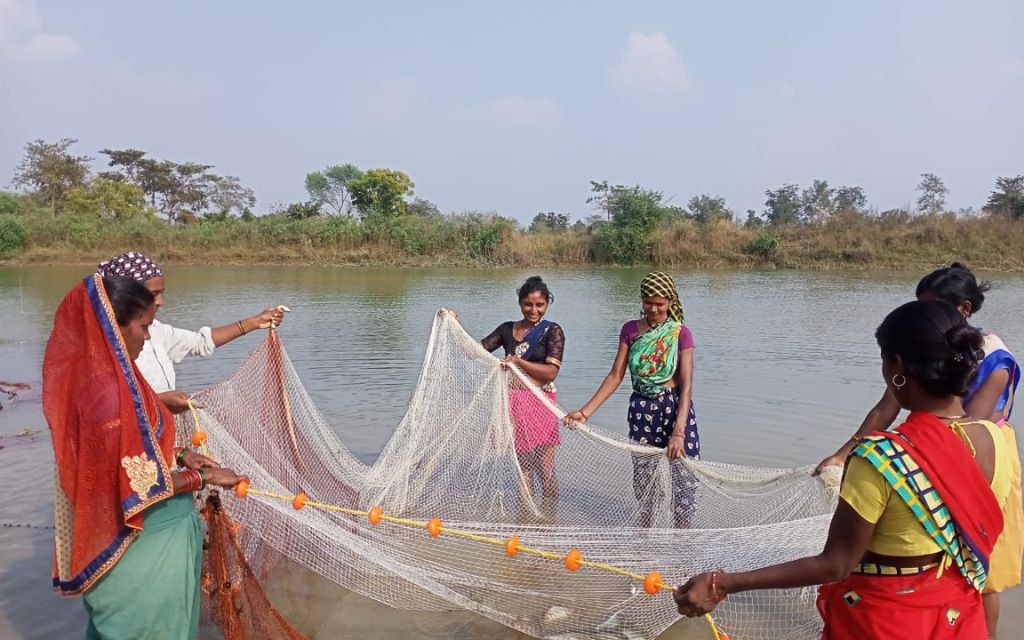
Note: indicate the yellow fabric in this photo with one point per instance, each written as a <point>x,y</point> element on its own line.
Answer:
<point>1005,563</point>
<point>897,531</point>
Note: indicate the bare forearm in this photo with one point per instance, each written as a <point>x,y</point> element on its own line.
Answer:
<point>607,388</point>
<point>227,333</point>
<point>797,573</point>
<point>539,371</point>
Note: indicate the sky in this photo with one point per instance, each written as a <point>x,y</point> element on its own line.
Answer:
<point>516,107</point>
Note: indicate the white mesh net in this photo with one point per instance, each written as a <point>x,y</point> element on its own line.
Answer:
<point>453,457</point>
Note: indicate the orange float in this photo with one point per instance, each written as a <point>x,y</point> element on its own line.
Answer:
<point>512,546</point>
<point>573,560</point>
<point>242,489</point>
<point>653,583</point>
<point>374,515</point>
<point>199,438</point>
<point>299,501</point>
<point>434,527</point>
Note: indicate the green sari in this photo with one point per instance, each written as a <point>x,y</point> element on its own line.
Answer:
<point>152,593</point>
<point>653,357</point>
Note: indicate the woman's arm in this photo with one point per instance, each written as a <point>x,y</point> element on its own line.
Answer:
<point>983,402</point>
<point>608,386</point>
<point>684,381</point>
<point>879,418</point>
<point>848,538</point>
<point>271,317</point>
<point>539,371</point>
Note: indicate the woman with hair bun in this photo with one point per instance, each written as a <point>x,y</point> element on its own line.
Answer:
<point>909,548</point>
<point>990,397</point>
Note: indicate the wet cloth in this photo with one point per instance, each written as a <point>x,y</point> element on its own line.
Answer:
<point>153,590</point>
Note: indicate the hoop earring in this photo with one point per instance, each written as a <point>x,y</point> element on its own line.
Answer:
<point>902,383</point>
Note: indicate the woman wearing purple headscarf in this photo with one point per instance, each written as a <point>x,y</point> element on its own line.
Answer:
<point>169,345</point>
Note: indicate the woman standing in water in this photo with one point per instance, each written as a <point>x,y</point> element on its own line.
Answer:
<point>919,510</point>
<point>989,397</point>
<point>169,345</point>
<point>535,346</point>
<point>127,535</point>
<point>658,350</point>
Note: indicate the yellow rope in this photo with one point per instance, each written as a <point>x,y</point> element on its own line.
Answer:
<point>455,532</point>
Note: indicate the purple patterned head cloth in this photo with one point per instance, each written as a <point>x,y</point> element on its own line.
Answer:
<point>132,265</point>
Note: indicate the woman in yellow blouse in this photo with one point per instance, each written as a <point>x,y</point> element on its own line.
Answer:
<point>908,550</point>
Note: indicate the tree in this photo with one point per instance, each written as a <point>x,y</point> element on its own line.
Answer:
<point>550,221</point>
<point>381,192</point>
<point>108,199</point>
<point>816,202</point>
<point>50,170</point>
<point>783,206</point>
<point>707,208</point>
<point>849,199</point>
<point>933,194</point>
<point>227,195</point>
<point>330,187</point>
<point>423,208</point>
<point>129,162</point>
<point>1007,198</point>
<point>186,188</point>
<point>753,220</point>
<point>302,210</point>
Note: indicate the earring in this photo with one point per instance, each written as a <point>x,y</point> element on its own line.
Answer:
<point>902,382</point>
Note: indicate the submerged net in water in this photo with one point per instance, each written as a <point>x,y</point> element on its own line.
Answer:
<point>453,457</point>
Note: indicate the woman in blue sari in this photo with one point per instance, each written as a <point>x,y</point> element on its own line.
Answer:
<point>535,346</point>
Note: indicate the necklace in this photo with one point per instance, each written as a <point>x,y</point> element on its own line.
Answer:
<point>960,417</point>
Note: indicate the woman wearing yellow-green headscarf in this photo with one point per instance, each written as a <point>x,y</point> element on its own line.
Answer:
<point>658,351</point>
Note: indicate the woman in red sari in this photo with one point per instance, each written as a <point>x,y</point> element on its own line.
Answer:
<point>908,550</point>
<point>127,536</point>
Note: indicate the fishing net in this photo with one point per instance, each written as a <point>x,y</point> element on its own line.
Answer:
<point>234,600</point>
<point>626,508</point>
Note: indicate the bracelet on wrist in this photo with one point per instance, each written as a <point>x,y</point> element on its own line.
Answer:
<point>241,327</point>
<point>717,593</point>
<point>180,456</point>
<point>202,479</point>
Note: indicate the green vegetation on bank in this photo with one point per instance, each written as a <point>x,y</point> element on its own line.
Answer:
<point>185,213</point>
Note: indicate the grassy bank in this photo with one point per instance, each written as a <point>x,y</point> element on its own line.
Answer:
<point>848,241</point>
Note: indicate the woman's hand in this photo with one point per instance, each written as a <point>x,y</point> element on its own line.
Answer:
<point>835,460</point>
<point>676,446</point>
<point>513,359</point>
<point>196,460</point>
<point>222,477</point>
<point>575,418</point>
<point>175,401</point>
<point>697,598</point>
<point>272,317</point>
<point>442,312</point>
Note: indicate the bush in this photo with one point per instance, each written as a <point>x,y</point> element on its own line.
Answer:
<point>12,236</point>
<point>765,246</point>
<point>8,204</point>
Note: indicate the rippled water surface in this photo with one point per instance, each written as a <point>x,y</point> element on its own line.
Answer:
<point>786,367</point>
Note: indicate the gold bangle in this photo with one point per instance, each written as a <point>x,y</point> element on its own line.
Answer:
<point>241,328</point>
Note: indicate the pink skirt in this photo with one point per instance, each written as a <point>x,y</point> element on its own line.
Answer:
<point>534,423</point>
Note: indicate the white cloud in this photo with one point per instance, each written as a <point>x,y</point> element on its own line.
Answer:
<point>522,111</point>
<point>20,37</point>
<point>651,64</point>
